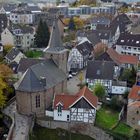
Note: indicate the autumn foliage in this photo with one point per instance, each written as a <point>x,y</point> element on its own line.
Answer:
<point>5,73</point>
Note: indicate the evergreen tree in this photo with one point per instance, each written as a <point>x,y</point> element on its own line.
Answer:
<point>72,24</point>
<point>42,35</point>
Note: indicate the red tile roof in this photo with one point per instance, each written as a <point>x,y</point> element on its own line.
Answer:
<point>133,94</point>
<point>68,100</point>
<point>122,59</point>
<point>85,92</point>
<point>134,104</point>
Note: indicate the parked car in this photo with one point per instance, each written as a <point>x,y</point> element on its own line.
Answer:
<point>74,73</point>
<point>69,76</point>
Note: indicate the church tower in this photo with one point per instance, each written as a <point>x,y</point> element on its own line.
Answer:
<point>55,49</point>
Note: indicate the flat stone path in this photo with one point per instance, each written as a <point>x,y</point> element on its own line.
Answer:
<point>22,122</point>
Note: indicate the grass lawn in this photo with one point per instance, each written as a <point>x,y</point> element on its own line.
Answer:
<point>41,133</point>
<point>34,54</point>
<point>106,118</point>
<point>123,129</point>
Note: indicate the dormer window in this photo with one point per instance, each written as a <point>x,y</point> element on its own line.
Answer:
<point>137,42</point>
<point>122,40</point>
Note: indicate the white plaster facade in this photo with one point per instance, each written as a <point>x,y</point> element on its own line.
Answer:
<point>23,40</point>
<point>128,50</point>
<point>24,18</point>
<point>7,37</point>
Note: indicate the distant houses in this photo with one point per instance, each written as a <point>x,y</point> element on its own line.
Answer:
<point>15,55</point>
<point>128,44</point>
<point>20,36</point>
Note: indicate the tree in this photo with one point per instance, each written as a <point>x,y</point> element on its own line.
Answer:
<point>81,77</point>
<point>42,35</point>
<point>129,75</point>
<point>5,73</point>
<point>71,25</point>
<point>7,48</point>
<point>87,2</point>
<point>2,96</point>
<point>136,135</point>
<point>74,22</point>
<point>115,103</point>
<point>99,91</point>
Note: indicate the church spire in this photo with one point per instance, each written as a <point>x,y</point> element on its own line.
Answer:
<point>55,42</point>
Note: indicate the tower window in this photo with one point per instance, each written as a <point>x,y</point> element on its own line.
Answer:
<point>37,101</point>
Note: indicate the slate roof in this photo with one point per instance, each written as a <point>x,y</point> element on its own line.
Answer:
<point>9,7</point>
<point>25,63</point>
<point>106,31</point>
<point>135,29</point>
<point>104,57</point>
<point>127,39</point>
<point>100,70</point>
<point>12,54</point>
<point>100,20</point>
<point>3,25</point>
<point>122,20</point>
<point>33,8</point>
<point>91,36</point>
<point>68,100</point>
<point>55,42</point>
<point>23,28</point>
<point>31,80</point>
<point>85,48</point>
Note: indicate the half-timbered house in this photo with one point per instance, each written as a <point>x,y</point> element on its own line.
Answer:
<point>79,56</point>
<point>79,108</point>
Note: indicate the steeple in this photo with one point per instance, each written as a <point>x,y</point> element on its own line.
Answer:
<point>55,50</point>
<point>55,42</point>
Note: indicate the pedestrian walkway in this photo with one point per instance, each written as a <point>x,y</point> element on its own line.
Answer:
<point>22,122</point>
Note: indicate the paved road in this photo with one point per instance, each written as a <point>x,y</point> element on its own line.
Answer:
<point>21,122</point>
<point>72,87</point>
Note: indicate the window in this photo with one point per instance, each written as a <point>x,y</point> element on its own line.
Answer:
<point>68,117</point>
<point>37,101</point>
<point>59,110</point>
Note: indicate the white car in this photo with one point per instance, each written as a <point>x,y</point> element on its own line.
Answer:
<point>70,76</point>
<point>74,73</point>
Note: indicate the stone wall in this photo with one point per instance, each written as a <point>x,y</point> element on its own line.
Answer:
<point>133,116</point>
<point>83,128</point>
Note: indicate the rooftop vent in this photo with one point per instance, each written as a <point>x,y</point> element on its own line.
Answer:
<point>43,80</point>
